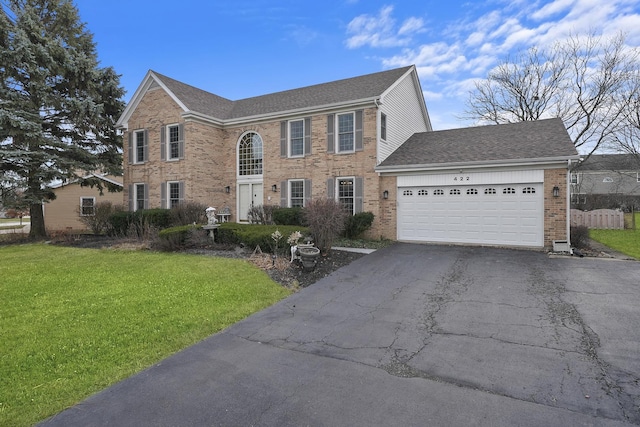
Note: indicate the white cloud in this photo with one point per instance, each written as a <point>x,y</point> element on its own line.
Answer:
<point>381,30</point>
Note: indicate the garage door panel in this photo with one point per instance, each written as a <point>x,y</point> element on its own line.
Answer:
<point>489,214</point>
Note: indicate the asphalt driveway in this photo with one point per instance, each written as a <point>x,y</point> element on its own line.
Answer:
<point>411,335</point>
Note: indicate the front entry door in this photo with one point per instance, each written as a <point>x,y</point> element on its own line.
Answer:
<point>248,195</point>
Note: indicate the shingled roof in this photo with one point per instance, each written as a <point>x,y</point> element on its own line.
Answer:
<point>610,162</point>
<point>542,139</point>
<point>340,91</point>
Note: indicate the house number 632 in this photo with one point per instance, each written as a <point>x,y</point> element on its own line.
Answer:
<point>461,178</point>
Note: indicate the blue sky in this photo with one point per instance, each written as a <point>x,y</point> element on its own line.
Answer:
<point>247,48</point>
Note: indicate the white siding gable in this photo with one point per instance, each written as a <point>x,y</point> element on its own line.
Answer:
<point>404,107</point>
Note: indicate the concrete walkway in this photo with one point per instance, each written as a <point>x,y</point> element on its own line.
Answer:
<point>410,335</point>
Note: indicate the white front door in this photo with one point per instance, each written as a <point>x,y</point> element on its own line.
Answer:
<point>249,195</point>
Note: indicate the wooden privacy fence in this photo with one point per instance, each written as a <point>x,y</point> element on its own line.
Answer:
<point>600,218</point>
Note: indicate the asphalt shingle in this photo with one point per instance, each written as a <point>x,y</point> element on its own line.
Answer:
<point>515,141</point>
<point>335,92</point>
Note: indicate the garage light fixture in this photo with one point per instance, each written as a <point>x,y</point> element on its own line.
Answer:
<point>274,188</point>
<point>385,194</point>
<point>556,191</point>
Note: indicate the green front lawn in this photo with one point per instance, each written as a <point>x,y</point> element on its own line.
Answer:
<point>625,241</point>
<point>74,321</point>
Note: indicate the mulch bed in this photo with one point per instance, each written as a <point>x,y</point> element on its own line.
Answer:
<point>289,274</point>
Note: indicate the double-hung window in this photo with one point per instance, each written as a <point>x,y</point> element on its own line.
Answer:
<point>173,189</point>
<point>87,206</point>
<point>346,194</point>
<point>296,138</point>
<point>296,193</point>
<point>138,148</point>
<point>140,196</point>
<point>172,142</point>
<point>346,132</point>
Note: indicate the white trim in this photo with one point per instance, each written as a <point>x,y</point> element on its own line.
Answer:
<point>546,163</point>
<point>93,206</point>
<point>336,190</point>
<point>289,181</point>
<point>237,166</point>
<point>168,200</point>
<point>336,133</point>
<point>168,142</point>
<point>289,155</point>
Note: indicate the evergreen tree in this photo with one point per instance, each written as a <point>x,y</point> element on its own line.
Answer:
<point>58,107</point>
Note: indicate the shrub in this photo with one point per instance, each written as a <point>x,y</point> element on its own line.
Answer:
<point>119,223</point>
<point>287,216</point>
<point>140,223</point>
<point>325,219</point>
<point>261,214</point>
<point>100,223</point>
<point>176,238</point>
<point>188,213</point>
<point>253,235</point>
<point>579,235</point>
<point>357,224</point>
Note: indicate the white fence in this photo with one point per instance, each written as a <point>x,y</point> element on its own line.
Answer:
<point>600,218</point>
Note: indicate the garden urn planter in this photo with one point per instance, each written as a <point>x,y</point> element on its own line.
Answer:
<point>308,257</point>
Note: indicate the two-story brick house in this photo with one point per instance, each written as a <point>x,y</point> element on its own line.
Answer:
<point>336,140</point>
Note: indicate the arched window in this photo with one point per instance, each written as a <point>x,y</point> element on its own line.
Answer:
<point>250,154</point>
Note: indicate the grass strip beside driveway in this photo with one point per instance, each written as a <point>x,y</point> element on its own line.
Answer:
<point>74,321</point>
<point>625,241</point>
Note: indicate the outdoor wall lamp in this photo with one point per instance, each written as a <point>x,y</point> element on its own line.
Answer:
<point>385,194</point>
<point>274,188</point>
<point>227,189</point>
<point>556,191</point>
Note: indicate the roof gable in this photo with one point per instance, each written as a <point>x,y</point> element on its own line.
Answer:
<point>217,108</point>
<point>534,140</point>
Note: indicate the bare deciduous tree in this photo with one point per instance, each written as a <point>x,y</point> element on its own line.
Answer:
<point>589,82</point>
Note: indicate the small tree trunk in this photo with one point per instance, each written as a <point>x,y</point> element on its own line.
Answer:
<point>37,230</point>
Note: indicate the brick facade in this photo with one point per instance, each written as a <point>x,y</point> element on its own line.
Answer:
<point>555,208</point>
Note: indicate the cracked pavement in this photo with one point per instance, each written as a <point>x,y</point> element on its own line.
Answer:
<point>411,335</point>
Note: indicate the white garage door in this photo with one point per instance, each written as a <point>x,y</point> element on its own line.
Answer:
<point>504,214</point>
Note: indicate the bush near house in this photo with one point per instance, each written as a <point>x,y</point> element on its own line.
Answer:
<point>326,220</point>
<point>287,216</point>
<point>177,238</point>
<point>254,235</point>
<point>357,224</point>
<point>138,222</point>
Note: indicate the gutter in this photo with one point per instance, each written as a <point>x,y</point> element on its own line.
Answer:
<point>474,164</point>
<point>193,115</point>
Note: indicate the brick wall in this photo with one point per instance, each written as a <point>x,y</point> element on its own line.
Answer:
<point>555,208</point>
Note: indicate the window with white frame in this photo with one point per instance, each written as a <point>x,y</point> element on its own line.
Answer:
<point>140,146</point>
<point>87,206</point>
<point>346,194</point>
<point>383,126</point>
<point>139,197</point>
<point>296,193</point>
<point>173,142</point>
<point>574,178</point>
<point>173,193</point>
<point>346,132</point>
<point>250,154</point>
<point>296,138</point>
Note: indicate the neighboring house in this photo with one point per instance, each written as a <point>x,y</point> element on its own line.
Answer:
<point>74,201</point>
<point>606,181</point>
<point>362,141</point>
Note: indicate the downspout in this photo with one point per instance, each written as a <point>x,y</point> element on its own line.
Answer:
<point>568,201</point>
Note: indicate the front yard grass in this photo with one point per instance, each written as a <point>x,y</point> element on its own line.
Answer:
<point>74,321</point>
<point>625,241</point>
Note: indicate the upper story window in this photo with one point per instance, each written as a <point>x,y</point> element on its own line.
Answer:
<point>172,142</point>
<point>574,178</point>
<point>296,138</point>
<point>138,146</point>
<point>250,154</point>
<point>346,132</point>
<point>87,206</point>
<point>383,126</point>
